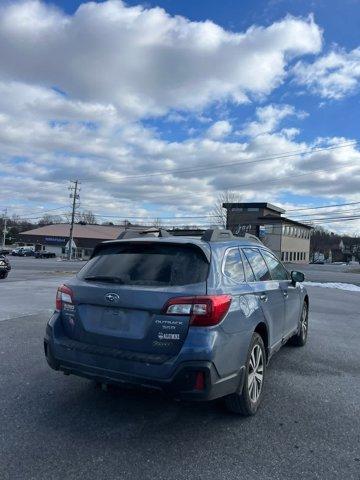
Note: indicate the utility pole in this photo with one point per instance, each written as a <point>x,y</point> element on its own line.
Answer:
<point>75,196</point>
<point>4,229</point>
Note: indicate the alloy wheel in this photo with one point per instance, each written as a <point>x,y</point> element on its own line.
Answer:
<point>255,373</point>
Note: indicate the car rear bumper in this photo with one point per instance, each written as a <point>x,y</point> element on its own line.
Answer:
<point>189,380</point>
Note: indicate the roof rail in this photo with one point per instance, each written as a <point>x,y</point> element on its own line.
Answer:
<point>131,233</point>
<point>249,236</point>
<point>217,235</point>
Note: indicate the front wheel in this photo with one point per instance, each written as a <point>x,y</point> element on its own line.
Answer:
<point>248,400</point>
<point>299,340</point>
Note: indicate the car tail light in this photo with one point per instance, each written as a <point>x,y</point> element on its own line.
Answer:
<point>204,311</point>
<point>64,295</point>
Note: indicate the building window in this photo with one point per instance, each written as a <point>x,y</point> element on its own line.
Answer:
<point>290,253</point>
<point>282,256</point>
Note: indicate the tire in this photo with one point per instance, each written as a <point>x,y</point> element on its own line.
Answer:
<point>247,401</point>
<point>299,340</point>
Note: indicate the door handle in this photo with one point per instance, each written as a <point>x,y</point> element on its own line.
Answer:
<point>285,294</point>
<point>263,297</point>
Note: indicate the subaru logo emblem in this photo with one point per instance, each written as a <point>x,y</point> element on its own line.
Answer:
<point>112,297</point>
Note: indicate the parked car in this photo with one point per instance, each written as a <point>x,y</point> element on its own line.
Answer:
<point>196,318</point>
<point>4,251</point>
<point>23,252</point>
<point>44,254</point>
<point>5,267</point>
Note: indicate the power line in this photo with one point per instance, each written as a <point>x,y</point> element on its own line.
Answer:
<point>267,181</point>
<point>184,216</point>
<point>322,206</point>
<point>42,212</point>
<point>354,211</point>
<point>230,164</point>
<point>321,219</point>
<point>187,217</point>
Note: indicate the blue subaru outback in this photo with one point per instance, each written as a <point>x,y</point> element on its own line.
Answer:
<point>198,318</point>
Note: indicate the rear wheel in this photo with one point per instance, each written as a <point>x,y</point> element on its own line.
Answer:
<point>248,400</point>
<point>299,340</point>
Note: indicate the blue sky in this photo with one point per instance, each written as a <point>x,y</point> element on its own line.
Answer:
<point>128,90</point>
<point>340,23</point>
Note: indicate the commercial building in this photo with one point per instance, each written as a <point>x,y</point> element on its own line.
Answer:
<point>289,239</point>
<point>55,238</point>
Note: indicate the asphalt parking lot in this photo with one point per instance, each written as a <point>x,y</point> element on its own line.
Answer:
<point>30,268</point>
<point>59,427</point>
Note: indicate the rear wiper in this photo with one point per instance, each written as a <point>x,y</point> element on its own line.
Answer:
<point>104,278</point>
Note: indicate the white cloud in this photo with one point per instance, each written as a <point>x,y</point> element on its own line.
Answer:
<point>145,61</point>
<point>117,65</point>
<point>332,76</point>
<point>219,129</point>
<point>269,118</point>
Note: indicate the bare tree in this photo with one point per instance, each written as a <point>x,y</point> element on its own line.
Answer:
<point>50,220</point>
<point>219,213</point>
<point>86,216</point>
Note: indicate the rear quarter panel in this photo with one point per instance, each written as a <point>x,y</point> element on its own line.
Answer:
<point>233,334</point>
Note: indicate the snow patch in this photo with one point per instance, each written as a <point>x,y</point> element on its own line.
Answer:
<point>341,286</point>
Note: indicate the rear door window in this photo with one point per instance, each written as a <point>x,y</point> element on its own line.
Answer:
<point>147,264</point>
<point>257,263</point>
<point>233,266</point>
<point>277,271</point>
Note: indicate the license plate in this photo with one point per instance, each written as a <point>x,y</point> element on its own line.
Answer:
<point>115,319</point>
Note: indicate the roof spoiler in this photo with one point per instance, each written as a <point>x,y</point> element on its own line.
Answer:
<point>217,235</point>
<point>141,233</point>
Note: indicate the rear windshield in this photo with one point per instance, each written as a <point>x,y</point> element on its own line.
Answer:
<point>147,264</point>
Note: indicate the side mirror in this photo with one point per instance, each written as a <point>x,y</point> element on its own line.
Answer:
<point>297,276</point>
